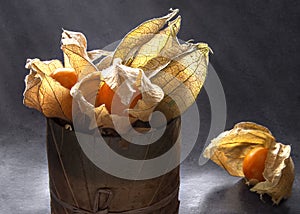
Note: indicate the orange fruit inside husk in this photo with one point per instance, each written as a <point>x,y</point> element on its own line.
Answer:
<point>254,164</point>
<point>107,96</point>
<point>67,77</point>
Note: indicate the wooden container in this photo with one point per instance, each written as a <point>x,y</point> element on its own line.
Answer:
<point>79,186</point>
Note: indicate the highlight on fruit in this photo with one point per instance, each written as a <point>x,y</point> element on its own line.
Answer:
<point>250,151</point>
<point>146,69</point>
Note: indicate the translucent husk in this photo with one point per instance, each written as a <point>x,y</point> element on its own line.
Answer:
<point>47,95</point>
<point>229,149</point>
<point>149,58</point>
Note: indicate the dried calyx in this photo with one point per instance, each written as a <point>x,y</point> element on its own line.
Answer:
<point>231,147</point>
<point>149,63</point>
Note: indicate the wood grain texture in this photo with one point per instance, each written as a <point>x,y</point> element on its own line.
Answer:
<point>75,180</point>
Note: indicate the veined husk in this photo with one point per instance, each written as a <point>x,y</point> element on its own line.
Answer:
<point>149,58</point>
<point>44,93</point>
<point>229,149</point>
<point>123,78</point>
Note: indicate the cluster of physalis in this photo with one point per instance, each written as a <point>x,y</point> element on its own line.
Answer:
<point>147,68</point>
<point>143,73</point>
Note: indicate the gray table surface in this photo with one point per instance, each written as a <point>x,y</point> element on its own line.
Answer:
<point>204,189</point>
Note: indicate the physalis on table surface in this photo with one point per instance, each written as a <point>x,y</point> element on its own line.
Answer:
<point>250,150</point>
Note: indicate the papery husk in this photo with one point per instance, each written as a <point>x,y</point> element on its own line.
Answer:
<point>85,91</point>
<point>178,69</point>
<point>279,173</point>
<point>139,36</point>
<point>229,149</point>
<point>149,58</point>
<point>74,46</point>
<point>183,79</point>
<point>44,93</point>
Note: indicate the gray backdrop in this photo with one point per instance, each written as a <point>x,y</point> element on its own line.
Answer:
<point>255,48</point>
<point>256,55</point>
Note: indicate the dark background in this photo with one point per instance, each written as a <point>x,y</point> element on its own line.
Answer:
<point>256,48</point>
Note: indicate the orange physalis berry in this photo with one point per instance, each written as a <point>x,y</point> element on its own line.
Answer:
<point>67,77</point>
<point>106,95</point>
<point>254,164</point>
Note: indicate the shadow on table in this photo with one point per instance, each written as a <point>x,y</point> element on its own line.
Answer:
<point>239,199</point>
